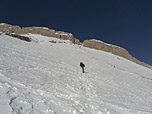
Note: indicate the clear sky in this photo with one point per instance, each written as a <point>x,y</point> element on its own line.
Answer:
<point>126,23</point>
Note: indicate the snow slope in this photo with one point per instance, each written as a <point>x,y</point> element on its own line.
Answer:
<point>42,77</point>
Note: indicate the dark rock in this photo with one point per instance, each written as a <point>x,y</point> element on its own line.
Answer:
<point>20,37</point>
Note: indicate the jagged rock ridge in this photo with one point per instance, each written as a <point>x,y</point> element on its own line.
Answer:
<point>7,28</point>
<point>95,44</point>
<point>99,45</point>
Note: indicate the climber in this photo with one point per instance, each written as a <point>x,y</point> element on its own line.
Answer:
<point>82,66</point>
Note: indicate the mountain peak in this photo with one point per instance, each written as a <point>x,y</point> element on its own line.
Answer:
<point>92,43</point>
<point>9,29</point>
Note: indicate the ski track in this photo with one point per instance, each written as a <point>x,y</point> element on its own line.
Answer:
<point>33,82</point>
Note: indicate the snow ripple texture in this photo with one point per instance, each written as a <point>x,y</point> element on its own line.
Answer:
<point>44,77</point>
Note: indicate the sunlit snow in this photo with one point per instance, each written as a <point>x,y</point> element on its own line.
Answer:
<point>44,77</point>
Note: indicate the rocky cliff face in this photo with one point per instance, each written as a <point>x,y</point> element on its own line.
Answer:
<point>95,44</point>
<point>7,28</point>
<point>99,45</point>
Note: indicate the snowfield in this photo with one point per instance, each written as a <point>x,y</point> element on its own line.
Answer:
<point>44,77</point>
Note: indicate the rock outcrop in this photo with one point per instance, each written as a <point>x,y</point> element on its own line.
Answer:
<point>20,37</point>
<point>9,29</point>
<point>99,45</point>
<point>39,30</point>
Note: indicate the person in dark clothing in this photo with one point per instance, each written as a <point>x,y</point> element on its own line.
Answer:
<point>82,66</point>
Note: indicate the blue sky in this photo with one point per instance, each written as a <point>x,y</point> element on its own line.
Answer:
<point>126,23</point>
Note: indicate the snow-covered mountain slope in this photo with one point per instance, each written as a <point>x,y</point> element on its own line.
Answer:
<point>44,77</point>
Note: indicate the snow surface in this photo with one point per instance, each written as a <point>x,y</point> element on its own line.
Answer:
<point>41,27</point>
<point>105,43</point>
<point>41,77</point>
<point>2,23</point>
